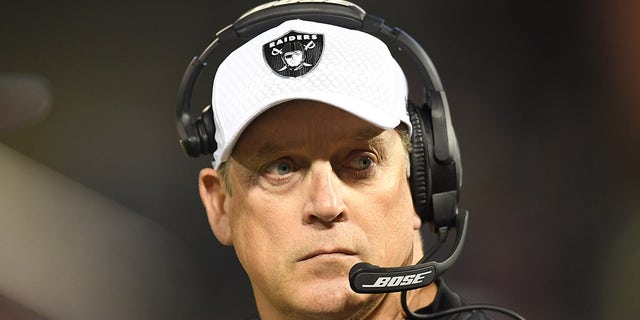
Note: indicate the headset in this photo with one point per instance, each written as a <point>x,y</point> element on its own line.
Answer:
<point>435,167</point>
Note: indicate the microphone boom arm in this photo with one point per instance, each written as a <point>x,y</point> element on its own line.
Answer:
<point>367,278</point>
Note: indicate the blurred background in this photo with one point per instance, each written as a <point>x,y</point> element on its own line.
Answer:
<point>99,212</point>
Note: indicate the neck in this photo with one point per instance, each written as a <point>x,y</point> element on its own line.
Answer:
<point>390,307</point>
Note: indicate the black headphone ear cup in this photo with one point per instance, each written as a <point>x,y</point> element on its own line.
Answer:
<point>206,131</point>
<point>420,178</point>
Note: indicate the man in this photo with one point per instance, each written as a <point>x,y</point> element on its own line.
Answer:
<point>309,191</point>
<point>310,173</point>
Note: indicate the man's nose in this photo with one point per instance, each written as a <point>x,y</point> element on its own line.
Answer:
<point>325,203</point>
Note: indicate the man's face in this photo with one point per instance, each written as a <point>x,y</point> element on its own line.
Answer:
<point>315,190</point>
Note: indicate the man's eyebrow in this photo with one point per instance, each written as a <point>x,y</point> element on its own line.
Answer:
<point>265,151</point>
<point>372,136</point>
<point>367,133</point>
<point>269,148</point>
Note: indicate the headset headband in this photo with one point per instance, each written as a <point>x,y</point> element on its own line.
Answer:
<point>340,13</point>
<point>436,172</point>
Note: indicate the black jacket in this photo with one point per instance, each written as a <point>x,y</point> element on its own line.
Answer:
<point>446,299</point>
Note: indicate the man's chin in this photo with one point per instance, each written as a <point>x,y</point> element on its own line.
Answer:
<point>331,298</point>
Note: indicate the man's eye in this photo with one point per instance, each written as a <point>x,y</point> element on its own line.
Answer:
<point>361,163</point>
<point>280,168</point>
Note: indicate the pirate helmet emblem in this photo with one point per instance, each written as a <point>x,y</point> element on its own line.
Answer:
<point>294,54</point>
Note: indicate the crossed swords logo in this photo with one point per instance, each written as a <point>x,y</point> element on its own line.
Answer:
<point>294,58</point>
<point>294,54</point>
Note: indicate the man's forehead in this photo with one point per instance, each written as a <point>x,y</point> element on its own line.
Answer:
<point>275,145</point>
<point>281,142</point>
<point>271,149</point>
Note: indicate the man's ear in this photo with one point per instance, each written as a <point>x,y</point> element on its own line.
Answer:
<point>213,195</point>
<point>417,222</point>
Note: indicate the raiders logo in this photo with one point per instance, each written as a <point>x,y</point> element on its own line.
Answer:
<point>294,54</point>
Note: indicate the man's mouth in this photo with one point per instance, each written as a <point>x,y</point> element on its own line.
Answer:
<point>335,252</point>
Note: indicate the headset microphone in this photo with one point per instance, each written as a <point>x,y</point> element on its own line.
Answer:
<point>367,278</point>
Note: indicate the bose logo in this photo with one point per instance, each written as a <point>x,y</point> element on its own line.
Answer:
<point>398,280</point>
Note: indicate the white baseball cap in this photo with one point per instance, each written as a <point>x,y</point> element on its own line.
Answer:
<point>298,59</point>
